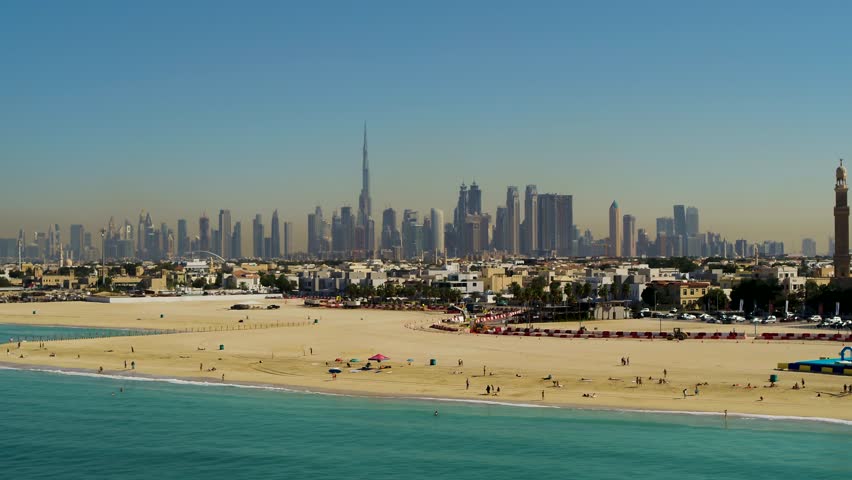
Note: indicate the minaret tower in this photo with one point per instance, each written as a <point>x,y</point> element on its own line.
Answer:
<point>841,225</point>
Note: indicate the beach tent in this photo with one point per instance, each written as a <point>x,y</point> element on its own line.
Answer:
<point>379,358</point>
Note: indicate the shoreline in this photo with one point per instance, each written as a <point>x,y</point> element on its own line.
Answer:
<point>204,382</point>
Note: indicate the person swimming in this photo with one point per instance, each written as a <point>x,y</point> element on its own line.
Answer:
<point>436,413</point>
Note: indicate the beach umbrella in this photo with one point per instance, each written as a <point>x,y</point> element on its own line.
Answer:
<point>338,359</point>
<point>334,370</point>
<point>354,360</point>
<point>378,358</point>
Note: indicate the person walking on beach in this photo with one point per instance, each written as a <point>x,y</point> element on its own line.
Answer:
<point>483,370</point>
<point>665,373</point>
<point>223,377</point>
<point>628,361</point>
<point>542,395</point>
<point>684,393</point>
<point>488,389</point>
<point>133,365</point>
<point>696,390</point>
<point>201,366</point>
<point>125,364</point>
<point>467,385</point>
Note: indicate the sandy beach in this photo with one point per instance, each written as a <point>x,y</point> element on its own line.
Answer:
<point>284,347</point>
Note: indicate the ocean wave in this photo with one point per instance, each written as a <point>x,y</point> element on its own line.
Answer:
<point>290,389</point>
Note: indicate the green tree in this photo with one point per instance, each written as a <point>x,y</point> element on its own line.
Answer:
<point>603,291</point>
<point>555,291</point>
<point>353,290</point>
<point>625,290</point>
<point>714,299</point>
<point>758,294</point>
<point>661,299</point>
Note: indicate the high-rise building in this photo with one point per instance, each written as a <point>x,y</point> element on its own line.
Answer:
<point>204,233</point>
<point>237,241</point>
<point>412,234</point>
<point>513,221</point>
<point>614,230</point>
<point>275,236</point>
<point>182,238</point>
<point>437,227</point>
<point>365,205</point>
<point>316,233</point>
<point>691,221</point>
<point>474,200</point>
<point>225,234</point>
<point>680,220</point>
<point>500,229</point>
<point>77,234</point>
<point>531,220</point>
<point>555,224</point>
<point>288,239</point>
<point>665,225</point>
<point>831,247</point>
<point>841,224</point>
<point>741,248</point>
<point>390,232</point>
<point>628,249</point>
<point>809,247</point>
<point>257,236</point>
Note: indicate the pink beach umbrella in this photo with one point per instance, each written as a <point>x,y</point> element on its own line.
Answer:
<point>378,358</point>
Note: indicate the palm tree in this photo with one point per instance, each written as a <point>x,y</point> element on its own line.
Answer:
<point>603,291</point>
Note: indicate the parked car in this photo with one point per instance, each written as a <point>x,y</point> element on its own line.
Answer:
<point>674,310</point>
<point>770,319</point>
<point>815,318</point>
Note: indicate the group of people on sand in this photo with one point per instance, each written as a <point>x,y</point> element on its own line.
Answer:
<point>625,361</point>
<point>491,390</point>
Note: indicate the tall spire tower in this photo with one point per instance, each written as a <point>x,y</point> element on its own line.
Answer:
<point>365,208</point>
<point>841,224</point>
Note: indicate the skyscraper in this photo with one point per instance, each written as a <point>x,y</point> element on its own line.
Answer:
<point>412,234</point>
<point>316,232</point>
<point>257,236</point>
<point>629,247</point>
<point>203,233</point>
<point>77,233</point>
<point>531,220</point>
<point>513,221</point>
<point>555,220</point>
<point>841,224</point>
<point>474,200</point>
<point>691,221</point>
<point>390,231</point>
<point>183,238</point>
<point>365,207</point>
<point>275,236</point>
<point>225,233</point>
<point>237,241</point>
<point>288,239</point>
<point>614,230</point>
<point>680,220</point>
<point>437,221</point>
<point>808,247</point>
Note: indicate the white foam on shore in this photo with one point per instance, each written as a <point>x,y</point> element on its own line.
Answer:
<point>277,388</point>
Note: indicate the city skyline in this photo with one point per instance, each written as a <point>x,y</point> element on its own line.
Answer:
<point>92,133</point>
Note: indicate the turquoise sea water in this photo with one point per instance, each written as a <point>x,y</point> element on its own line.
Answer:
<point>69,427</point>
<point>21,332</point>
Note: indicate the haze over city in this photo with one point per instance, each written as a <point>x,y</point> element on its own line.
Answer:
<point>738,111</point>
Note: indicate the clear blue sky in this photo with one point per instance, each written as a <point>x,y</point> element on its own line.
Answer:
<point>738,108</point>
